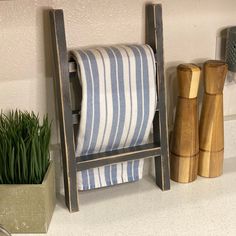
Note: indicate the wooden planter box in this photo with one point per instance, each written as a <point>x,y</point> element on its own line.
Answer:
<point>28,208</point>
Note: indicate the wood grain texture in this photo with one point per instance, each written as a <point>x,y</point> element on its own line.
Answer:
<point>210,163</point>
<point>214,76</point>
<point>211,122</point>
<point>185,140</point>
<point>120,155</point>
<point>188,80</point>
<point>185,170</point>
<point>160,127</point>
<point>61,75</point>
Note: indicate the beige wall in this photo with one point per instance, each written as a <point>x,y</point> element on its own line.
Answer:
<point>190,28</point>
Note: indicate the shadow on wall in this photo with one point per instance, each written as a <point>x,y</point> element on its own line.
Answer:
<point>50,92</point>
<point>171,91</point>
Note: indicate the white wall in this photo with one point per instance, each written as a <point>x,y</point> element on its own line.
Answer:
<point>190,31</point>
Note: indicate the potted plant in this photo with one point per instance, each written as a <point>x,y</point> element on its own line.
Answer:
<point>27,177</point>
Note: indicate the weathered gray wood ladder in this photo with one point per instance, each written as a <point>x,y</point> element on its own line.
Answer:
<point>64,72</point>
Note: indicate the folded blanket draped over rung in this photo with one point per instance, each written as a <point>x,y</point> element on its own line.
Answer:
<point>117,110</point>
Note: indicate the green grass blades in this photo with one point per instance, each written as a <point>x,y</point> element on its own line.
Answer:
<point>24,148</point>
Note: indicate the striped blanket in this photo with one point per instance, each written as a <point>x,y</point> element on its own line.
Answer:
<point>118,106</point>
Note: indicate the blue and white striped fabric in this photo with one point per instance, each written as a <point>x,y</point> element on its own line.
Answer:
<point>118,106</point>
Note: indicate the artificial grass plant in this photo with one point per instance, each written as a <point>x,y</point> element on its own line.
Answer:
<point>24,148</point>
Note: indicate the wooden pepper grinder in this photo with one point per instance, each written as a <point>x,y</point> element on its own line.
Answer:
<point>211,122</point>
<point>185,142</point>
